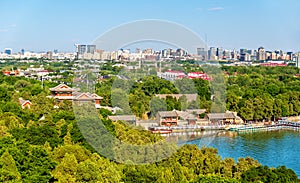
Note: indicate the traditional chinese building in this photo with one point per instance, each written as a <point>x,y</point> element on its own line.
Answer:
<point>87,97</point>
<point>228,118</point>
<point>167,118</point>
<point>64,92</point>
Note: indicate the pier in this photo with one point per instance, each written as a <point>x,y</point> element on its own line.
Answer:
<point>280,125</point>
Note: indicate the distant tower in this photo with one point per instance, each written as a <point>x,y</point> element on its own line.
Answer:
<point>22,51</point>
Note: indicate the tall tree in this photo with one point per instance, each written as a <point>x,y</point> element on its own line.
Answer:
<point>8,171</point>
<point>65,171</point>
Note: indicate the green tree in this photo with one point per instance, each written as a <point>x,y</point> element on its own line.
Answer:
<point>8,171</point>
<point>185,86</point>
<point>66,170</point>
<point>245,164</point>
<point>247,111</point>
<point>88,171</point>
<point>215,179</point>
<point>157,104</point>
<point>227,167</point>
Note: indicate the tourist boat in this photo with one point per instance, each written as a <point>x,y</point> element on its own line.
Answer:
<point>160,130</point>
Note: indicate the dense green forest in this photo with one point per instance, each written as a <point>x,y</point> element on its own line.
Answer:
<point>44,144</point>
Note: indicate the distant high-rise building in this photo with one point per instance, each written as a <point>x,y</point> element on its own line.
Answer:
<point>261,56</point>
<point>234,54</point>
<point>212,53</point>
<point>271,55</point>
<point>8,51</point>
<point>279,52</point>
<point>180,52</point>
<point>165,53</point>
<point>227,54</point>
<point>289,55</point>
<point>50,55</point>
<point>172,52</point>
<point>91,49</point>
<point>202,52</point>
<point>220,53</point>
<point>243,51</point>
<point>243,54</point>
<point>253,53</point>
<point>81,49</point>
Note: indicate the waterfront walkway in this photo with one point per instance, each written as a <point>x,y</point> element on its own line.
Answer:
<point>185,128</point>
<point>280,125</point>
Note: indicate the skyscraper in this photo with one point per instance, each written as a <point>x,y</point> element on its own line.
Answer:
<point>261,56</point>
<point>201,52</point>
<point>212,53</point>
<point>220,53</point>
<point>243,53</point>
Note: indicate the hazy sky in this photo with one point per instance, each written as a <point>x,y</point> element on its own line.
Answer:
<point>42,25</point>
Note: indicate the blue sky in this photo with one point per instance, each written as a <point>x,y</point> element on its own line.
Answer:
<point>42,25</point>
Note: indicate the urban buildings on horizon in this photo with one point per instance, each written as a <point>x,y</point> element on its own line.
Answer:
<point>246,54</point>
<point>86,51</point>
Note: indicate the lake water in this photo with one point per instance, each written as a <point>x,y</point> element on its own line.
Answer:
<point>269,148</point>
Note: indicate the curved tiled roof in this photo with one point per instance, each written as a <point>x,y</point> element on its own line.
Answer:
<point>62,87</point>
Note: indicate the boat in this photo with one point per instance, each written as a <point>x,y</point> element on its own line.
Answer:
<point>160,130</point>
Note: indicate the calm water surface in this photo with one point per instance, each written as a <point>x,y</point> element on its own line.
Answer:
<point>269,148</point>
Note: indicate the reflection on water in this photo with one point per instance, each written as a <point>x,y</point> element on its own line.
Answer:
<point>269,148</point>
<point>183,137</point>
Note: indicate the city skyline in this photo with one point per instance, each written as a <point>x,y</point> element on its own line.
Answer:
<point>91,52</point>
<point>142,48</point>
<point>50,25</point>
